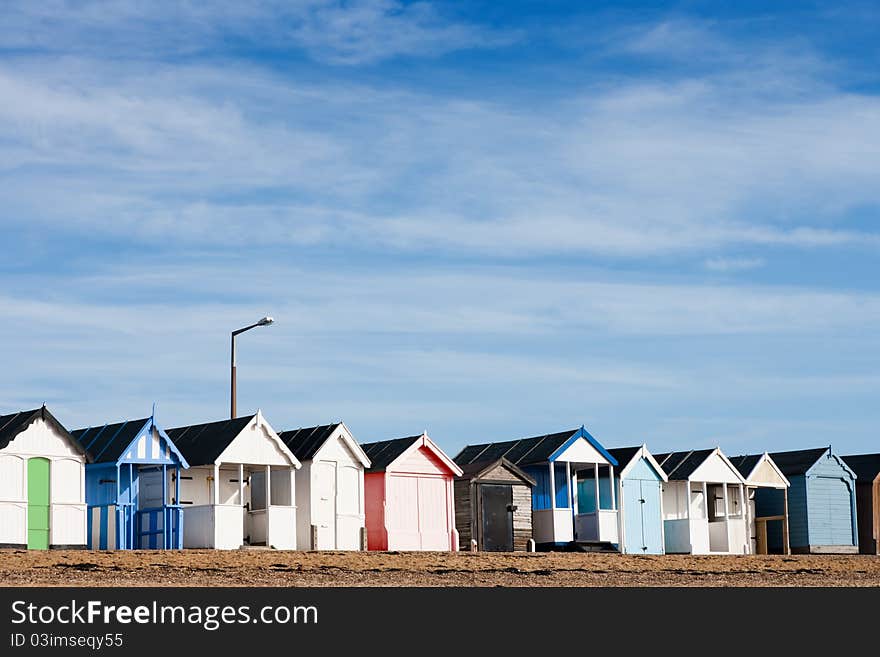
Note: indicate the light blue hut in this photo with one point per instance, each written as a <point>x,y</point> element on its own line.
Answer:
<point>639,487</point>
<point>134,466</point>
<point>821,502</point>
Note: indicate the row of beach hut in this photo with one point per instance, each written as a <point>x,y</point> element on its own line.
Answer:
<point>238,483</point>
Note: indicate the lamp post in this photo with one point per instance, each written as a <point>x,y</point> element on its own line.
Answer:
<point>263,322</point>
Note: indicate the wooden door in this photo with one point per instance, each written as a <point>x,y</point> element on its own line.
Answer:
<point>324,504</point>
<point>38,504</point>
<point>496,516</point>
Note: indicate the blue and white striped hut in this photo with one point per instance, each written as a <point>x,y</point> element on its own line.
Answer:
<point>129,496</point>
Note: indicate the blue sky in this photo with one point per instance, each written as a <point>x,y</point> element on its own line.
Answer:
<point>487,220</point>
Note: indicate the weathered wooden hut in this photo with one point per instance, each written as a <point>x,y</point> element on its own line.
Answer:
<point>493,506</point>
<point>639,491</point>
<point>703,504</point>
<point>129,488</point>
<point>239,489</point>
<point>821,502</point>
<point>867,469</point>
<point>767,490</point>
<point>329,487</point>
<point>574,501</point>
<point>42,483</point>
<point>409,497</point>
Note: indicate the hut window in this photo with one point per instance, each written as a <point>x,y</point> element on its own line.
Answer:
<point>734,504</point>
<point>716,501</point>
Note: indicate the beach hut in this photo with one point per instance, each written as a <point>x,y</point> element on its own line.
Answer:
<point>640,493</point>
<point>409,498</point>
<point>867,469</point>
<point>239,489</point>
<point>574,502</point>
<point>767,491</point>
<point>42,483</point>
<point>493,506</point>
<point>821,502</point>
<point>703,504</point>
<point>130,484</point>
<point>329,487</point>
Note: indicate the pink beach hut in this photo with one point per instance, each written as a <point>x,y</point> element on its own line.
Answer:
<point>408,490</point>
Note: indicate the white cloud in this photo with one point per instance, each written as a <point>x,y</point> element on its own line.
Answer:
<point>206,156</point>
<point>728,265</point>
<point>332,31</point>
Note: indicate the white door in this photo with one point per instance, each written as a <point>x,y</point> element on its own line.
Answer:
<point>324,504</point>
<point>402,512</point>
<point>349,519</point>
<point>433,514</point>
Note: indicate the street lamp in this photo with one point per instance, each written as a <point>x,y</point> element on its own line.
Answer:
<point>263,322</point>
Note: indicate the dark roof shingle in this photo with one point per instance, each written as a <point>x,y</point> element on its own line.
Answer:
<point>797,462</point>
<point>105,444</point>
<point>384,452</point>
<point>866,466</point>
<point>201,444</point>
<point>475,468</point>
<point>623,455</point>
<point>15,423</point>
<point>678,466</point>
<point>525,451</point>
<point>305,442</point>
<point>745,463</point>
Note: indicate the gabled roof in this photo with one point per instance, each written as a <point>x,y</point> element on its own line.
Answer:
<point>747,464</point>
<point>627,457</point>
<point>530,451</point>
<point>799,461</point>
<point>204,443</point>
<point>15,423</point>
<point>681,465</point>
<point>110,443</point>
<point>866,466</point>
<point>385,452</point>
<point>478,469</point>
<point>306,443</point>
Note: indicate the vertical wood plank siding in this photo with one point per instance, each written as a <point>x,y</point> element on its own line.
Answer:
<point>463,512</point>
<point>522,517</point>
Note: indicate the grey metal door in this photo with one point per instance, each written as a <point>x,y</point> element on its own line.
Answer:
<point>496,505</point>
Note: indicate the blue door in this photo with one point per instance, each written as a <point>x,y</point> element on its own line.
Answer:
<point>643,523</point>
<point>830,512</point>
<point>652,521</point>
<point>632,506</point>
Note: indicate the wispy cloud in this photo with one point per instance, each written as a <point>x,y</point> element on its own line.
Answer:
<point>330,31</point>
<point>464,257</point>
<point>202,155</point>
<point>727,265</point>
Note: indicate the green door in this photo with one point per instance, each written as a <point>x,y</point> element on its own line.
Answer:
<point>38,504</point>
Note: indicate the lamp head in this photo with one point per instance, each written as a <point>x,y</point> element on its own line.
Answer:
<point>265,321</point>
